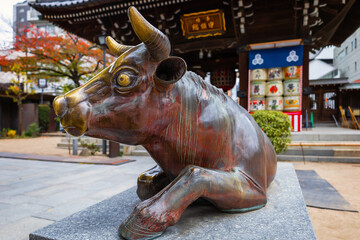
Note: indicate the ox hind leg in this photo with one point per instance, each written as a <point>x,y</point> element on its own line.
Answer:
<point>228,191</point>
<point>151,182</point>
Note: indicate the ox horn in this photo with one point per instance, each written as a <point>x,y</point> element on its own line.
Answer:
<point>157,44</point>
<point>115,47</point>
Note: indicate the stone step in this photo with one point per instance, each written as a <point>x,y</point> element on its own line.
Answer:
<point>325,124</point>
<point>139,147</point>
<point>309,158</point>
<point>84,139</point>
<point>67,145</point>
<point>97,141</point>
<point>326,144</point>
<point>323,152</point>
<point>308,137</point>
<point>314,152</point>
<point>347,152</point>
<point>139,153</point>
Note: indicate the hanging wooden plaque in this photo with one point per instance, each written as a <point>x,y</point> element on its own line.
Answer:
<point>203,24</point>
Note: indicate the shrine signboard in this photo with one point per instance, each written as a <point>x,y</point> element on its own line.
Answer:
<point>203,24</point>
<point>275,82</point>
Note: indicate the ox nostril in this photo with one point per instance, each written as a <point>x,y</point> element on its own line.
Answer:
<point>60,106</point>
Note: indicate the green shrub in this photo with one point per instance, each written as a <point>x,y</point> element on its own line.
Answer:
<point>92,147</point>
<point>32,130</point>
<point>277,126</point>
<point>4,132</point>
<point>44,117</point>
<point>66,88</point>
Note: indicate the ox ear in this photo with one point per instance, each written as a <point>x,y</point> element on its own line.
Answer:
<point>170,70</point>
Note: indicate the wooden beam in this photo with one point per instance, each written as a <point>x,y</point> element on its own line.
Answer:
<point>211,64</point>
<point>305,83</point>
<point>236,30</point>
<point>328,31</point>
<point>243,74</point>
<point>330,11</point>
<point>219,43</point>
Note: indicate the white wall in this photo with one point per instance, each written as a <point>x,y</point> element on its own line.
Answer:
<point>347,57</point>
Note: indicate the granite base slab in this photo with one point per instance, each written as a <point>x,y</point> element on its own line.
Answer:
<point>284,217</point>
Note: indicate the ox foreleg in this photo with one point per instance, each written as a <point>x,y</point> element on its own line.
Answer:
<point>151,182</point>
<point>228,191</point>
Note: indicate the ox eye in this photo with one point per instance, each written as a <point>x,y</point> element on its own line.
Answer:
<point>126,77</point>
<point>124,80</point>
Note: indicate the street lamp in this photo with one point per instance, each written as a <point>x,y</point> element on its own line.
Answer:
<point>42,83</point>
<point>102,42</point>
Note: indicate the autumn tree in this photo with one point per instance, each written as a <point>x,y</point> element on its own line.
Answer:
<point>19,90</point>
<point>64,55</point>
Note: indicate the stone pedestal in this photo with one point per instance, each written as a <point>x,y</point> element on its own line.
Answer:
<point>284,217</point>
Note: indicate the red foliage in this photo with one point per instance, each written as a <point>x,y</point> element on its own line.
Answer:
<point>64,55</point>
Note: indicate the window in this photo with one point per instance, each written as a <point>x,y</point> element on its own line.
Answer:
<point>329,100</point>
<point>331,74</point>
<point>22,19</point>
<point>341,55</point>
<point>33,14</point>
<point>313,102</point>
<point>346,51</point>
<point>21,10</point>
<point>355,43</point>
<point>352,46</point>
<point>355,66</point>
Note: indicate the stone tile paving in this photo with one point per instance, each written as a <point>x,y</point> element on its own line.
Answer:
<point>70,159</point>
<point>34,194</point>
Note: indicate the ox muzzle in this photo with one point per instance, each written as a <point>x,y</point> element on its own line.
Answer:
<point>73,110</point>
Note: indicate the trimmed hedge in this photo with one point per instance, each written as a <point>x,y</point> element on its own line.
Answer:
<point>32,130</point>
<point>277,126</point>
<point>44,117</point>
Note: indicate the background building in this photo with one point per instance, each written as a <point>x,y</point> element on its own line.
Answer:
<point>347,60</point>
<point>347,57</point>
<point>335,80</point>
<point>25,16</point>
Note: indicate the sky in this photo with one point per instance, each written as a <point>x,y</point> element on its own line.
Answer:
<point>6,17</point>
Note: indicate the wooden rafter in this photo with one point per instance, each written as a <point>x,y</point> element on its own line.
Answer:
<point>327,32</point>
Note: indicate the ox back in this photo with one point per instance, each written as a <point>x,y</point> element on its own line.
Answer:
<point>210,130</point>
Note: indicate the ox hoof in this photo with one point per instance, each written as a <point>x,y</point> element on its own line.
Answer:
<point>145,222</point>
<point>131,231</point>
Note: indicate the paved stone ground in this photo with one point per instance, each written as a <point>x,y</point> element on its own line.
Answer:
<point>34,194</point>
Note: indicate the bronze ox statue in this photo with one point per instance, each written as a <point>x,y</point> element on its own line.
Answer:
<point>206,146</point>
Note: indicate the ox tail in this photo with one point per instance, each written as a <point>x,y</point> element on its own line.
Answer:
<point>271,160</point>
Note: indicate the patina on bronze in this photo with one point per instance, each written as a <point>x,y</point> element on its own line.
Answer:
<point>206,146</point>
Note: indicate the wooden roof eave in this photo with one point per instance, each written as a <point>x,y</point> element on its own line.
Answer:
<point>330,81</point>
<point>68,5</point>
<point>324,35</point>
